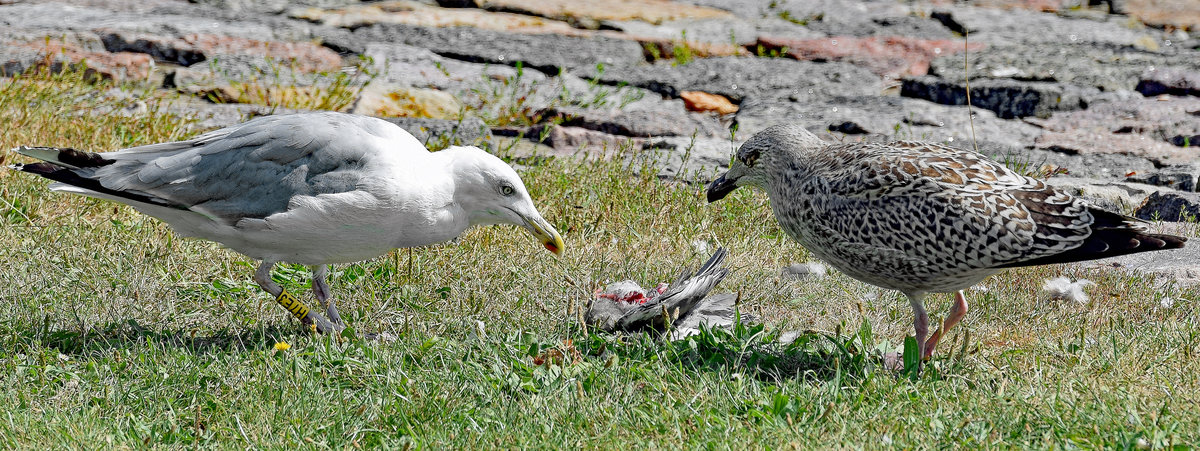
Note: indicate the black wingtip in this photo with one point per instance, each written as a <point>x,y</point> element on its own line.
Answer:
<point>66,156</point>
<point>1112,235</point>
<point>68,176</point>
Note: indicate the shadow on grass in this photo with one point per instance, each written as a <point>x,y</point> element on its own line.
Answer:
<point>766,355</point>
<point>130,334</point>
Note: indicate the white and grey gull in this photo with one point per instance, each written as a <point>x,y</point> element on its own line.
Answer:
<point>922,217</point>
<point>312,189</point>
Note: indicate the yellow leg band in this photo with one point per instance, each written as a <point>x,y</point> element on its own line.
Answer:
<point>292,304</point>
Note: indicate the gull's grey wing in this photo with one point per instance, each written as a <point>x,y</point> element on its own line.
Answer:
<point>684,294</point>
<point>250,170</point>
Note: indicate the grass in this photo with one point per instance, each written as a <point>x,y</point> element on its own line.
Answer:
<point>117,334</point>
<point>279,86</point>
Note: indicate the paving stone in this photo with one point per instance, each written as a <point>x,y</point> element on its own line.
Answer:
<point>738,78</point>
<point>1170,80</point>
<point>1184,177</point>
<point>1175,120</point>
<point>1006,97</point>
<point>1084,142</point>
<point>1104,67</point>
<point>888,56</point>
<point>549,53</point>
<point>20,57</point>
<point>440,132</point>
<point>1170,206</point>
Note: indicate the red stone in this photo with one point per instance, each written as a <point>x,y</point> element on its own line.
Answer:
<point>889,56</point>
<point>306,56</point>
<point>54,54</point>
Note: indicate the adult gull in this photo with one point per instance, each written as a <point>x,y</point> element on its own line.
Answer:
<point>313,189</point>
<point>922,217</point>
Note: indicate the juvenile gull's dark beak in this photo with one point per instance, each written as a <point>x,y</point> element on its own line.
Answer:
<point>720,188</point>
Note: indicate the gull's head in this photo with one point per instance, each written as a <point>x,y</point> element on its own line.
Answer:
<point>754,162</point>
<point>491,192</point>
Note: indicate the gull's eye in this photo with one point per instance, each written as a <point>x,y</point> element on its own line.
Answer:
<point>507,190</point>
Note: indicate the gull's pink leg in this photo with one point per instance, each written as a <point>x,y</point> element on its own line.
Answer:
<point>957,311</point>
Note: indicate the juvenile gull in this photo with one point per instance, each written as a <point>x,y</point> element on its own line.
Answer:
<point>312,189</point>
<point>922,217</point>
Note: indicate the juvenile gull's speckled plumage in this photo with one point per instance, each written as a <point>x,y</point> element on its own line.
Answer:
<point>922,217</point>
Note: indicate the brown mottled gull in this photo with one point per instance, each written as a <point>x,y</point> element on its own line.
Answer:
<point>313,189</point>
<point>922,217</point>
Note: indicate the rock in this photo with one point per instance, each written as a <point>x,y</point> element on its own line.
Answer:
<point>418,67</point>
<point>836,17</point>
<point>228,77</point>
<point>645,119</point>
<point>1017,26</point>
<point>1106,68</point>
<point>548,53</point>
<point>439,133</point>
<point>890,56</point>
<point>1181,14</point>
<point>1032,5</point>
<point>703,102</point>
<point>1120,197</point>
<point>193,48</point>
<point>531,97</point>
<point>267,6</point>
<point>416,14</point>
<point>1007,98</point>
<point>1165,118</point>
<point>691,159</point>
<point>1182,177</point>
<point>301,56</point>
<point>590,14</point>
<point>1170,80</point>
<point>52,18</point>
<point>738,78</point>
<point>1170,206</point>
<point>721,30</point>
<point>339,40</point>
<point>387,100</point>
<point>162,49</point>
<point>19,57</point>
<point>1039,162</point>
<point>890,118</point>
<point>568,139</point>
<point>1084,142</point>
<point>358,15</point>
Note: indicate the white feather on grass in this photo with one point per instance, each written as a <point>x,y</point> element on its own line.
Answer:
<point>1063,289</point>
